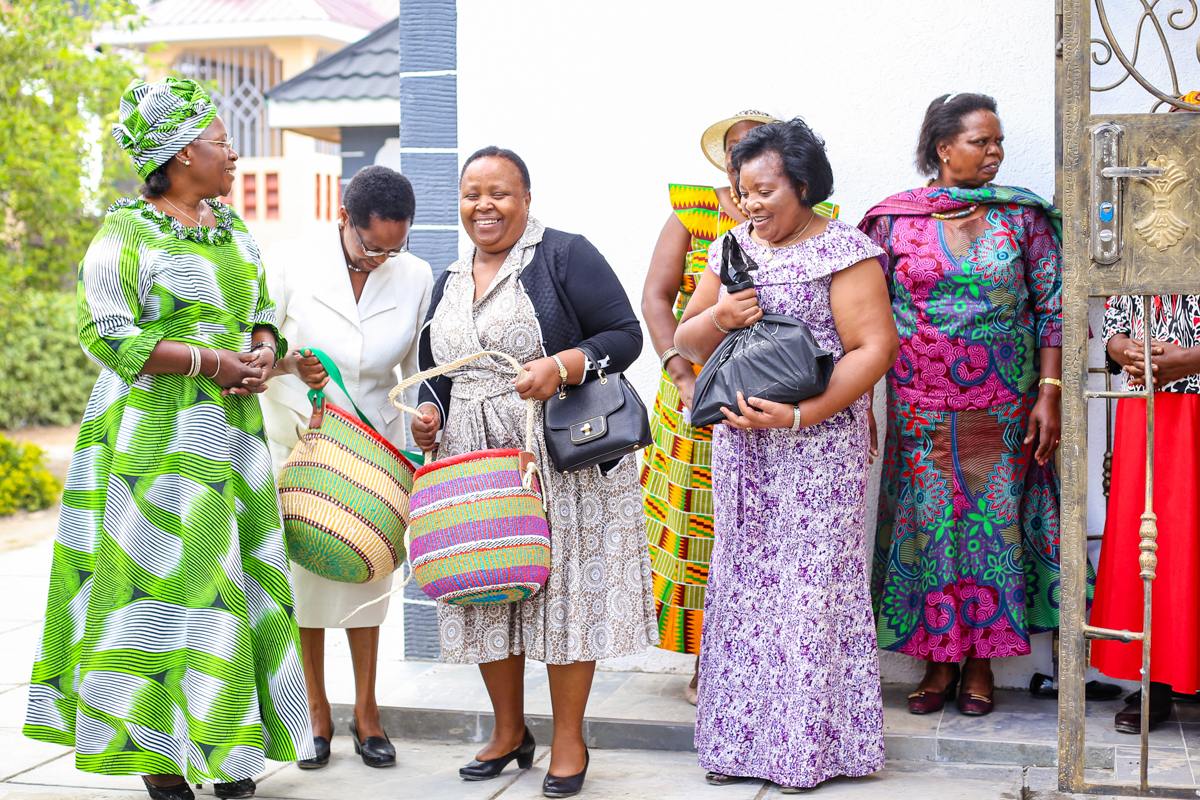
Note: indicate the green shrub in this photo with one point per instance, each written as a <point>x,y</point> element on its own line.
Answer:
<point>25,483</point>
<point>47,377</point>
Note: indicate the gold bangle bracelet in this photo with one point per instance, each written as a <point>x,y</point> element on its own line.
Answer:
<point>1051,381</point>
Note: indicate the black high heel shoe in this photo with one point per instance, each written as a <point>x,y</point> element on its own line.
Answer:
<point>486,770</point>
<point>321,745</point>
<point>376,751</point>
<point>240,788</point>
<point>554,786</point>
<point>180,791</point>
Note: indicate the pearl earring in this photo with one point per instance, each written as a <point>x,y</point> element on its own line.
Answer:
<point>945,161</point>
<point>187,163</point>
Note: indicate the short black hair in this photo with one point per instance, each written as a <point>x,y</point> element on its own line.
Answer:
<point>157,183</point>
<point>378,192</point>
<point>800,149</point>
<point>943,121</point>
<point>491,151</point>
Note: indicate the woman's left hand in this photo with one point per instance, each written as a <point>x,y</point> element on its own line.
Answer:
<point>758,414</point>
<point>1045,423</point>
<point>540,380</point>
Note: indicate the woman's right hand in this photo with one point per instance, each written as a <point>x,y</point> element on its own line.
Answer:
<point>238,374</point>
<point>425,427</point>
<point>679,370</point>
<point>738,310</point>
<point>1129,353</point>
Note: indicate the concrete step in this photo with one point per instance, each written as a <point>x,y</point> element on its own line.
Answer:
<point>648,712</point>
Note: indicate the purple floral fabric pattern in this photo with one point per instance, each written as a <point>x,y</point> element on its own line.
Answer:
<point>789,687</point>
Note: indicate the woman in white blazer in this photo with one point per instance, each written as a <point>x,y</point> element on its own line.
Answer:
<point>358,295</point>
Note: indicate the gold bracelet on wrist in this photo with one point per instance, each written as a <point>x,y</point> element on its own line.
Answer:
<point>1052,382</point>
<point>667,355</point>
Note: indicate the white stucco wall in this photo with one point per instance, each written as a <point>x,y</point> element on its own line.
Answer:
<point>606,103</point>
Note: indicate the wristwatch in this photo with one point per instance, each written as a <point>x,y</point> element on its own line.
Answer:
<point>562,373</point>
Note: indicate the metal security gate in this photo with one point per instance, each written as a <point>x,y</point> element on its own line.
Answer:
<point>1129,190</point>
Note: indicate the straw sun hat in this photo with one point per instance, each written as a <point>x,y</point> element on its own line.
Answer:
<point>713,139</point>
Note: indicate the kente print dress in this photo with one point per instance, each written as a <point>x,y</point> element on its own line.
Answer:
<point>966,554</point>
<point>169,644</point>
<point>597,602</point>
<point>677,469</point>
<point>789,672</point>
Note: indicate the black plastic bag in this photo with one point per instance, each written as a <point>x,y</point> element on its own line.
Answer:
<point>776,358</point>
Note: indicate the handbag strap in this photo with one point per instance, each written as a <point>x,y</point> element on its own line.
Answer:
<point>530,408</point>
<point>332,370</point>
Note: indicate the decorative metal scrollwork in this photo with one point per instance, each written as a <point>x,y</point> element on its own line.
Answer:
<point>1112,47</point>
<point>1162,228</point>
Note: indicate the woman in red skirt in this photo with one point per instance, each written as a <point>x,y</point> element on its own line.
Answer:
<point>1175,635</point>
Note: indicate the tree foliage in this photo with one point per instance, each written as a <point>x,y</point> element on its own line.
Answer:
<point>58,98</point>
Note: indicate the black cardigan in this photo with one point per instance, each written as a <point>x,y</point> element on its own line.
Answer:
<point>579,303</point>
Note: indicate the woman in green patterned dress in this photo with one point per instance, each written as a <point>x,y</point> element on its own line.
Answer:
<point>170,649</point>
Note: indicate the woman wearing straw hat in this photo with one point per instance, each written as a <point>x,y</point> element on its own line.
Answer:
<point>357,295</point>
<point>676,470</point>
<point>170,650</point>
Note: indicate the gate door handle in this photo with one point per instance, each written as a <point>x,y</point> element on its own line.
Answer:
<point>1131,172</point>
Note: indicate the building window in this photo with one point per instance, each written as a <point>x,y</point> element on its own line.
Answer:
<point>338,183</point>
<point>272,188</point>
<point>328,198</point>
<point>317,199</point>
<point>249,195</point>
<point>242,75</point>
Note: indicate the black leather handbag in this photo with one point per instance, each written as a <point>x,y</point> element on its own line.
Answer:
<point>776,358</point>
<point>595,422</point>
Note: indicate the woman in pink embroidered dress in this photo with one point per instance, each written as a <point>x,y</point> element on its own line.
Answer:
<point>966,559</point>
<point>789,673</point>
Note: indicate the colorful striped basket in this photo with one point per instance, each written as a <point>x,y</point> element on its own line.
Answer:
<point>344,493</point>
<point>478,531</point>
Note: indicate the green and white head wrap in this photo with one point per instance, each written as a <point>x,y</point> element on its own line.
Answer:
<point>157,120</point>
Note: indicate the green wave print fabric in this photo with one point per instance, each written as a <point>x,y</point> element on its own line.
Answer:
<point>170,645</point>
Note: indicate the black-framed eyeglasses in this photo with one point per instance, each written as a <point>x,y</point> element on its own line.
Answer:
<point>377,253</point>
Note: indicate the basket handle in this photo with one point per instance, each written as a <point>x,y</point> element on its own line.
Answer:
<point>530,409</point>
<point>400,569</point>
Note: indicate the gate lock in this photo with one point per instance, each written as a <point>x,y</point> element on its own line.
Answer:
<point>1107,174</point>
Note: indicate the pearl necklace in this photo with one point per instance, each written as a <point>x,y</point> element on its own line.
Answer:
<point>354,268</point>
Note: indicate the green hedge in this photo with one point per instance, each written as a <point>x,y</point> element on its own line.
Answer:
<point>25,483</point>
<point>46,376</point>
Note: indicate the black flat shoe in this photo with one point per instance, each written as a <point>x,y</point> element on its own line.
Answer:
<point>486,770</point>
<point>554,786</point>
<point>180,791</point>
<point>241,788</point>
<point>321,745</point>
<point>376,751</point>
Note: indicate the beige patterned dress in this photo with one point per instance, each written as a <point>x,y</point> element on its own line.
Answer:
<point>598,601</point>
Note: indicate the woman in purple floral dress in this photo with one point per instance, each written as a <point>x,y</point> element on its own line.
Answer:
<point>789,687</point>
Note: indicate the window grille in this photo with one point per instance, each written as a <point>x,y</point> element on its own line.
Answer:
<point>249,196</point>
<point>272,198</point>
<point>242,75</point>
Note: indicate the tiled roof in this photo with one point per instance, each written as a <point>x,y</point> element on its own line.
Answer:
<point>367,69</point>
<point>193,12</point>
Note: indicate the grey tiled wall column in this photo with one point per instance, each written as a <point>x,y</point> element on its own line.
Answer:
<point>429,124</point>
<point>429,158</point>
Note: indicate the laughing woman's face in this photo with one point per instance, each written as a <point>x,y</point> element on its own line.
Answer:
<point>493,203</point>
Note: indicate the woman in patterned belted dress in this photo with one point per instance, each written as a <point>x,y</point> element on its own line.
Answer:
<point>550,300</point>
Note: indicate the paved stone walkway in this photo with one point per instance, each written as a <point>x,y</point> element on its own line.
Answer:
<point>926,754</point>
